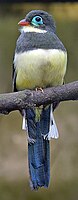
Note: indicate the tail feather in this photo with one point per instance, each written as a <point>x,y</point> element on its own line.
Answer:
<point>41,128</point>
<point>37,165</point>
<point>53,131</point>
<point>39,152</point>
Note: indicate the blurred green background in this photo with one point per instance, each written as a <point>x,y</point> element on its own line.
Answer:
<point>14,178</point>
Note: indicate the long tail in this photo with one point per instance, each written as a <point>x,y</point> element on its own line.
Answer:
<point>38,151</point>
<point>40,129</point>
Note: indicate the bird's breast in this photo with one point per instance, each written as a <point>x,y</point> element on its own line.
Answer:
<point>40,68</point>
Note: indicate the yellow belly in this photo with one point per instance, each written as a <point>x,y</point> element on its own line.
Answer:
<point>40,68</point>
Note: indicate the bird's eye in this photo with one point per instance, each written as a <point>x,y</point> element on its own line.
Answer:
<point>37,20</point>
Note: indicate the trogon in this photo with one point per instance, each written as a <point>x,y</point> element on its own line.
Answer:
<point>40,61</point>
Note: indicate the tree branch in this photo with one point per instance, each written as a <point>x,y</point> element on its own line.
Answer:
<point>25,98</point>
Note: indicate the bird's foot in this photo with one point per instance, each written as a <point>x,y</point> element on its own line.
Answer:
<point>39,88</point>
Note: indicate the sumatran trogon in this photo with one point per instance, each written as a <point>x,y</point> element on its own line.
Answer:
<point>40,61</point>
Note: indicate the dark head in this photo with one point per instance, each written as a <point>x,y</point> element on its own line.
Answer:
<point>39,19</point>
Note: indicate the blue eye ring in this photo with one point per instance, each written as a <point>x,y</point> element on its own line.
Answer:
<point>37,20</point>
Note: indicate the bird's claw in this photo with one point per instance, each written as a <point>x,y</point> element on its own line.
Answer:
<point>39,88</point>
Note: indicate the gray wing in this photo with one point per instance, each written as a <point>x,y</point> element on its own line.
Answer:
<point>14,78</point>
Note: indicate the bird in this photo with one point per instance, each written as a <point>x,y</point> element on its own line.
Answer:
<point>39,62</point>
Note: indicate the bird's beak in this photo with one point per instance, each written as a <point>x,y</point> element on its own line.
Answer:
<point>23,22</point>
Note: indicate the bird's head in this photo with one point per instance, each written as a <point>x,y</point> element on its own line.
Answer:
<point>37,20</point>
